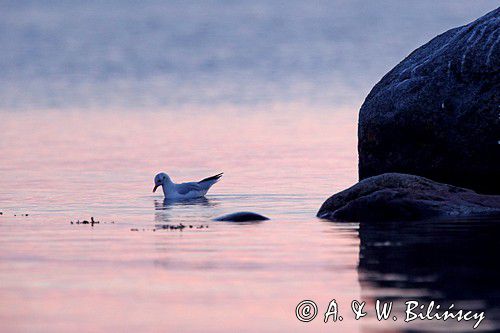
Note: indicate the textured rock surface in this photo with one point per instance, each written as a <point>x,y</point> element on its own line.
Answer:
<point>241,217</point>
<point>437,113</point>
<point>395,196</point>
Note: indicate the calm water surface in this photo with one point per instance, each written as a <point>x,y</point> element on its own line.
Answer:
<point>151,53</point>
<point>60,277</point>
<point>96,97</point>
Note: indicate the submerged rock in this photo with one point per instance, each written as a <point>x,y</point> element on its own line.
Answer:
<point>395,196</point>
<point>241,217</point>
<point>436,114</point>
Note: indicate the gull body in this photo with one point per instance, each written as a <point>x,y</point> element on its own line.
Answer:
<point>182,191</point>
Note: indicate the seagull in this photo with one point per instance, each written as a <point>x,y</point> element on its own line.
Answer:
<point>189,190</point>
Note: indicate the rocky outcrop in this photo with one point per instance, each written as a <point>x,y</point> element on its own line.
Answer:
<point>401,197</point>
<point>437,113</point>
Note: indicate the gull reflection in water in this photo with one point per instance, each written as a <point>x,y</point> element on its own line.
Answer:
<point>184,210</point>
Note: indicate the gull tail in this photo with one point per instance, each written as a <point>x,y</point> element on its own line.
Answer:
<point>208,182</point>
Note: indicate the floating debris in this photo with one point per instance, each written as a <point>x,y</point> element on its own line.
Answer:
<point>137,229</point>
<point>23,214</point>
<point>17,214</point>
<point>179,226</point>
<point>91,222</point>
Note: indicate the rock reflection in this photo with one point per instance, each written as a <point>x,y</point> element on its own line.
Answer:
<point>446,261</point>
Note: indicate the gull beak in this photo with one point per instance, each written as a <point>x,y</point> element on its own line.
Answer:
<point>154,189</point>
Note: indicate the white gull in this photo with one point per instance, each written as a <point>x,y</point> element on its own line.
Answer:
<point>189,190</point>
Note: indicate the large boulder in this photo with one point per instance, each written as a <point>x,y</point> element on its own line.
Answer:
<point>437,113</point>
<point>401,197</point>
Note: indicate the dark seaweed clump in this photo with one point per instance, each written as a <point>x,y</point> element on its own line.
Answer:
<point>180,226</point>
<point>91,222</point>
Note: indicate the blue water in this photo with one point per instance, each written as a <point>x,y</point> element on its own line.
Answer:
<point>135,54</point>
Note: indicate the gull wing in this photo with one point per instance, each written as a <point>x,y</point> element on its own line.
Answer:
<point>185,188</point>
<point>212,179</point>
<point>206,183</point>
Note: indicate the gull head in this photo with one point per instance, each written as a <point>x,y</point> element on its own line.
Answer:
<point>160,179</point>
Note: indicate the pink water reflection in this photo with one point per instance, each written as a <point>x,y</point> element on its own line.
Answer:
<point>282,161</point>
<point>60,152</point>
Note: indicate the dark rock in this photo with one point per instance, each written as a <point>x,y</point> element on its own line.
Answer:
<point>241,217</point>
<point>395,196</point>
<point>436,114</point>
